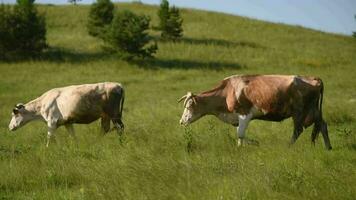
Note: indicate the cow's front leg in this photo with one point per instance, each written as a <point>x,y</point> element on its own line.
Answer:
<point>51,130</point>
<point>243,123</point>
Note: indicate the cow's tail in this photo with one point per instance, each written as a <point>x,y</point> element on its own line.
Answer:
<point>122,102</point>
<point>319,116</point>
<point>321,100</point>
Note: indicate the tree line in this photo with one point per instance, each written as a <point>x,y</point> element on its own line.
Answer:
<point>124,33</point>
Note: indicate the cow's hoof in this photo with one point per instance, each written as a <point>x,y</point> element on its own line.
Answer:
<point>252,142</point>
<point>239,142</point>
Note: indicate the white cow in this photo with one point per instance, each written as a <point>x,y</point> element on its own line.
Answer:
<point>80,104</point>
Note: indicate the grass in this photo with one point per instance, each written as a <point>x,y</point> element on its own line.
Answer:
<point>159,159</point>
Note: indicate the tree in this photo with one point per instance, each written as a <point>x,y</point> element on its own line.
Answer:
<point>22,30</point>
<point>354,33</point>
<point>163,14</point>
<point>100,17</point>
<point>74,1</point>
<point>170,23</point>
<point>5,27</point>
<point>174,28</point>
<point>127,36</point>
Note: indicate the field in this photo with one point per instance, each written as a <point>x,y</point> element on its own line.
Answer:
<point>159,159</point>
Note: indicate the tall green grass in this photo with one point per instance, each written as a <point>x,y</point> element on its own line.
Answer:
<point>159,159</point>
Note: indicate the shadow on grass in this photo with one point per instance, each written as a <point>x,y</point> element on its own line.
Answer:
<point>59,55</point>
<point>62,55</point>
<point>65,55</point>
<point>215,42</point>
<point>185,64</point>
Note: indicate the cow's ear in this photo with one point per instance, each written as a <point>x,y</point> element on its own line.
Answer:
<point>19,106</point>
<point>194,99</point>
<point>15,111</point>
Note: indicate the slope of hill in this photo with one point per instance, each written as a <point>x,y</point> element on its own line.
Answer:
<point>153,161</point>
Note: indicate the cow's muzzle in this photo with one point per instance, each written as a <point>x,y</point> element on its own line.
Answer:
<point>13,128</point>
<point>183,123</point>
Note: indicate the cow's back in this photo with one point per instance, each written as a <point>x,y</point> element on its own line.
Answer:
<point>275,95</point>
<point>83,103</point>
<point>269,93</point>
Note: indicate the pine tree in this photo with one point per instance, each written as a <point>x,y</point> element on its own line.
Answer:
<point>74,1</point>
<point>354,33</point>
<point>127,36</point>
<point>101,15</point>
<point>174,28</point>
<point>5,33</point>
<point>163,14</point>
<point>170,23</point>
<point>22,30</point>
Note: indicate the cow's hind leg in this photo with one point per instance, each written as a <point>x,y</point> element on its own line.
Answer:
<point>105,124</point>
<point>315,132</point>
<point>118,125</point>
<point>298,127</point>
<point>324,132</point>
<point>71,131</point>
<point>50,133</point>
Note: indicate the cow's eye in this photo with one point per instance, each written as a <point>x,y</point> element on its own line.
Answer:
<point>15,111</point>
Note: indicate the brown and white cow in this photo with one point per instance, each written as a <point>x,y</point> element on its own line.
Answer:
<point>239,99</point>
<point>80,104</point>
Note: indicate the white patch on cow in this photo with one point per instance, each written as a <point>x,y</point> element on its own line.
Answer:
<point>188,113</point>
<point>243,123</point>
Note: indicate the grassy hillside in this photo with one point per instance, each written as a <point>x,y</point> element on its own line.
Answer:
<point>153,162</point>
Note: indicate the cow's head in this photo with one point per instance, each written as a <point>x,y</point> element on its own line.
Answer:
<point>192,109</point>
<point>20,116</point>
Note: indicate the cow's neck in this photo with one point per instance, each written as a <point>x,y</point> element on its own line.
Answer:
<point>213,102</point>
<point>34,108</point>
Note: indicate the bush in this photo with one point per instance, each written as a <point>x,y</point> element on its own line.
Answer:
<point>74,1</point>
<point>128,36</point>
<point>22,30</point>
<point>100,17</point>
<point>354,33</point>
<point>5,30</point>
<point>170,22</point>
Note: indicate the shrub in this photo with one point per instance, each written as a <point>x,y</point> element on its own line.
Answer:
<point>74,1</point>
<point>354,33</point>
<point>5,32</point>
<point>100,17</point>
<point>174,25</point>
<point>170,23</point>
<point>128,36</point>
<point>22,30</point>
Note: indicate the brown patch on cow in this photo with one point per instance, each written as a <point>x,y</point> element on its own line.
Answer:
<point>268,93</point>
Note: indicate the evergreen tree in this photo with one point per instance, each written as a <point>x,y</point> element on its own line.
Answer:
<point>74,1</point>
<point>170,23</point>
<point>5,27</point>
<point>128,36</point>
<point>174,28</point>
<point>354,33</point>
<point>22,30</point>
<point>100,17</point>
<point>163,14</point>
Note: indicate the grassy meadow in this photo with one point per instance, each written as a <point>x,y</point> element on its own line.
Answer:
<point>159,159</point>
